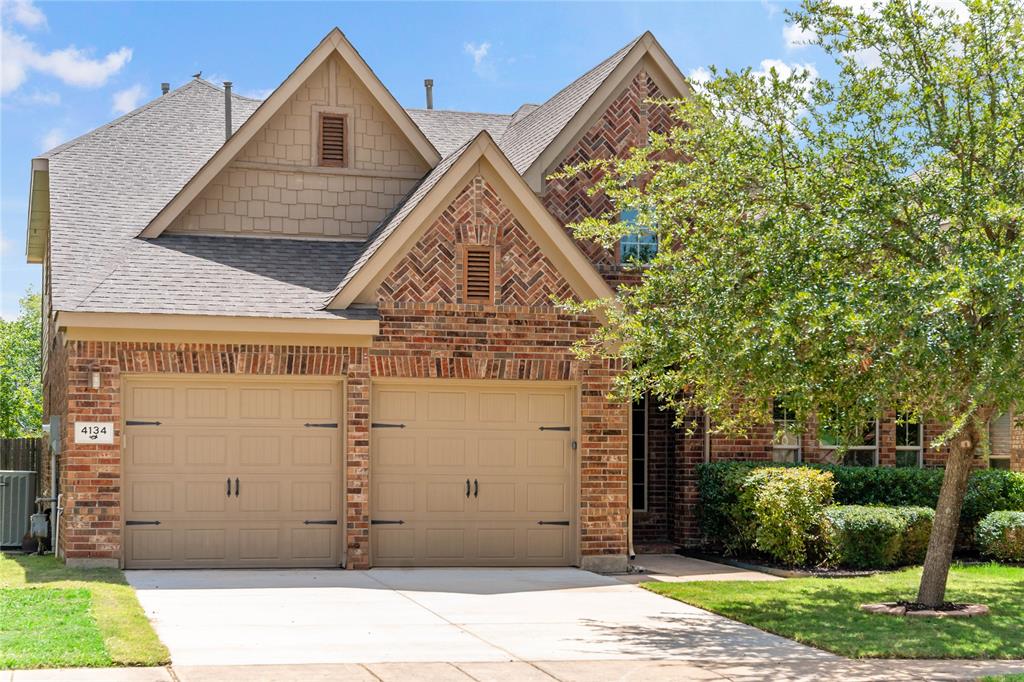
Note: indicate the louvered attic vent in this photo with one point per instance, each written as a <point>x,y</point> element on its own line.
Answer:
<point>332,140</point>
<point>479,275</point>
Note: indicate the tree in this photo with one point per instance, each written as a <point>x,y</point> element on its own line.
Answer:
<point>21,392</point>
<point>846,246</point>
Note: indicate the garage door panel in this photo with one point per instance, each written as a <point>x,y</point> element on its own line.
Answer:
<point>519,475</point>
<point>212,432</point>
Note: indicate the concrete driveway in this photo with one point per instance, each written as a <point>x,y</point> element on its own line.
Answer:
<point>240,617</point>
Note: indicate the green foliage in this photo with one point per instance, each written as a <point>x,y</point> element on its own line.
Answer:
<point>1000,535</point>
<point>726,523</point>
<point>21,391</point>
<point>787,509</point>
<point>878,537</point>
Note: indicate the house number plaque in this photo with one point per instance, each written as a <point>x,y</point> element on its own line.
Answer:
<point>94,432</point>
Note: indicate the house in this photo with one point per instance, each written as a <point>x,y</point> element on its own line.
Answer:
<point>318,330</point>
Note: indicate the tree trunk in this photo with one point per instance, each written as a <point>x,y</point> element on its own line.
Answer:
<point>947,517</point>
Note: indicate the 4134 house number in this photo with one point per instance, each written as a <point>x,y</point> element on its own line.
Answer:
<point>94,432</point>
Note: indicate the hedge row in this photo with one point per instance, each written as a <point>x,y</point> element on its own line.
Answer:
<point>878,537</point>
<point>1000,536</point>
<point>725,522</point>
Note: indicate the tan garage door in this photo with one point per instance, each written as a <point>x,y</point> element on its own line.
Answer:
<point>471,475</point>
<point>242,473</point>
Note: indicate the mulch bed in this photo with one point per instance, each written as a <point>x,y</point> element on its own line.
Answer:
<point>918,610</point>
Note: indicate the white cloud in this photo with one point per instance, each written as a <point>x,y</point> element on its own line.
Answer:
<point>128,99</point>
<point>699,76</point>
<point>70,64</point>
<point>796,37</point>
<point>25,13</point>
<point>53,138</point>
<point>258,93</point>
<point>49,98</point>
<point>481,65</point>
<point>785,70</point>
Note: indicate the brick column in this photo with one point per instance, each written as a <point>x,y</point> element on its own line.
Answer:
<point>357,460</point>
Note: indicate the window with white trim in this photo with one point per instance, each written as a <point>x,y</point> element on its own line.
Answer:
<point>1000,438</point>
<point>909,441</point>
<point>641,244</point>
<point>860,453</point>
<point>786,442</point>
<point>639,453</point>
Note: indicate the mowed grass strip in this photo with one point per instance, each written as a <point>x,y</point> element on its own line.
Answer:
<point>125,636</point>
<point>46,627</point>
<point>823,612</point>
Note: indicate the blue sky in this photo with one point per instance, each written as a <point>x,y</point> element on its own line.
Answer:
<point>70,67</point>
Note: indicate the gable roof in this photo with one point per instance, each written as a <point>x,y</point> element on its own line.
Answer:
<point>105,186</point>
<point>333,43</point>
<point>398,232</point>
<point>535,140</point>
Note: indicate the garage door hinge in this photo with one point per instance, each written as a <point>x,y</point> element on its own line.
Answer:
<point>142,523</point>
<point>384,522</point>
<point>135,422</point>
<point>555,428</point>
<point>325,522</point>
<point>382,425</point>
<point>327,425</point>
<point>552,523</point>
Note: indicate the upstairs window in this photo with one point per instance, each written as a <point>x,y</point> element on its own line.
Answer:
<point>786,444</point>
<point>640,245</point>
<point>909,439</point>
<point>1000,438</point>
<point>332,140</point>
<point>479,275</point>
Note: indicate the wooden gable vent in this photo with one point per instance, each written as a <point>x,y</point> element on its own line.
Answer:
<point>332,140</point>
<point>479,273</point>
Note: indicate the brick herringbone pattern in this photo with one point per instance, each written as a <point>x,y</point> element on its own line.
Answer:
<point>625,124</point>
<point>432,270</point>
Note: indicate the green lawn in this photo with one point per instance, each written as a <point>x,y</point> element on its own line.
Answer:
<point>52,616</point>
<point>823,612</point>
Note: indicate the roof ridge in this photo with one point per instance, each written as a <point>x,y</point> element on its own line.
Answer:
<point>589,71</point>
<point>50,153</point>
<point>457,111</point>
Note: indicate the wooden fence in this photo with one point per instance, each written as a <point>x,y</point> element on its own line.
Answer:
<point>21,454</point>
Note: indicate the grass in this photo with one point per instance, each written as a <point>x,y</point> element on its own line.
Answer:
<point>823,612</point>
<point>53,616</point>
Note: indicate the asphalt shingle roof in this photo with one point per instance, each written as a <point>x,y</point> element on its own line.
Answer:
<point>199,275</point>
<point>107,185</point>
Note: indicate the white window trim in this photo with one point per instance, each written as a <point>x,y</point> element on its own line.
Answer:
<point>799,447</point>
<point>919,448</point>
<point>647,455</point>
<point>640,229</point>
<point>859,448</point>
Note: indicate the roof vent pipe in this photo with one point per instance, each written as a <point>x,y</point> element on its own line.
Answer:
<point>227,110</point>
<point>429,83</point>
<point>165,88</point>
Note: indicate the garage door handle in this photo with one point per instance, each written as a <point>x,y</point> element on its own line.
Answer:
<point>236,487</point>
<point>467,487</point>
<point>476,488</point>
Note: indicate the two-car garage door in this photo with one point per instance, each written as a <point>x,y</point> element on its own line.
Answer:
<point>248,473</point>
<point>240,473</point>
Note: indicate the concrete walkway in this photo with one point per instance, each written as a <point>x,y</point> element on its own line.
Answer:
<point>539,671</point>
<point>673,568</point>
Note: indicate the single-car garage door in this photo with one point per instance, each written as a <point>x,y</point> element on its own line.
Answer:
<point>231,473</point>
<point>472,475</point>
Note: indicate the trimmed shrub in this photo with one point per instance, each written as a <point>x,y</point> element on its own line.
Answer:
<point>719,484</point>
<point>788,509</point>
<point>916,533</point>
<point>878,537</point>
<point>1000,535</point>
